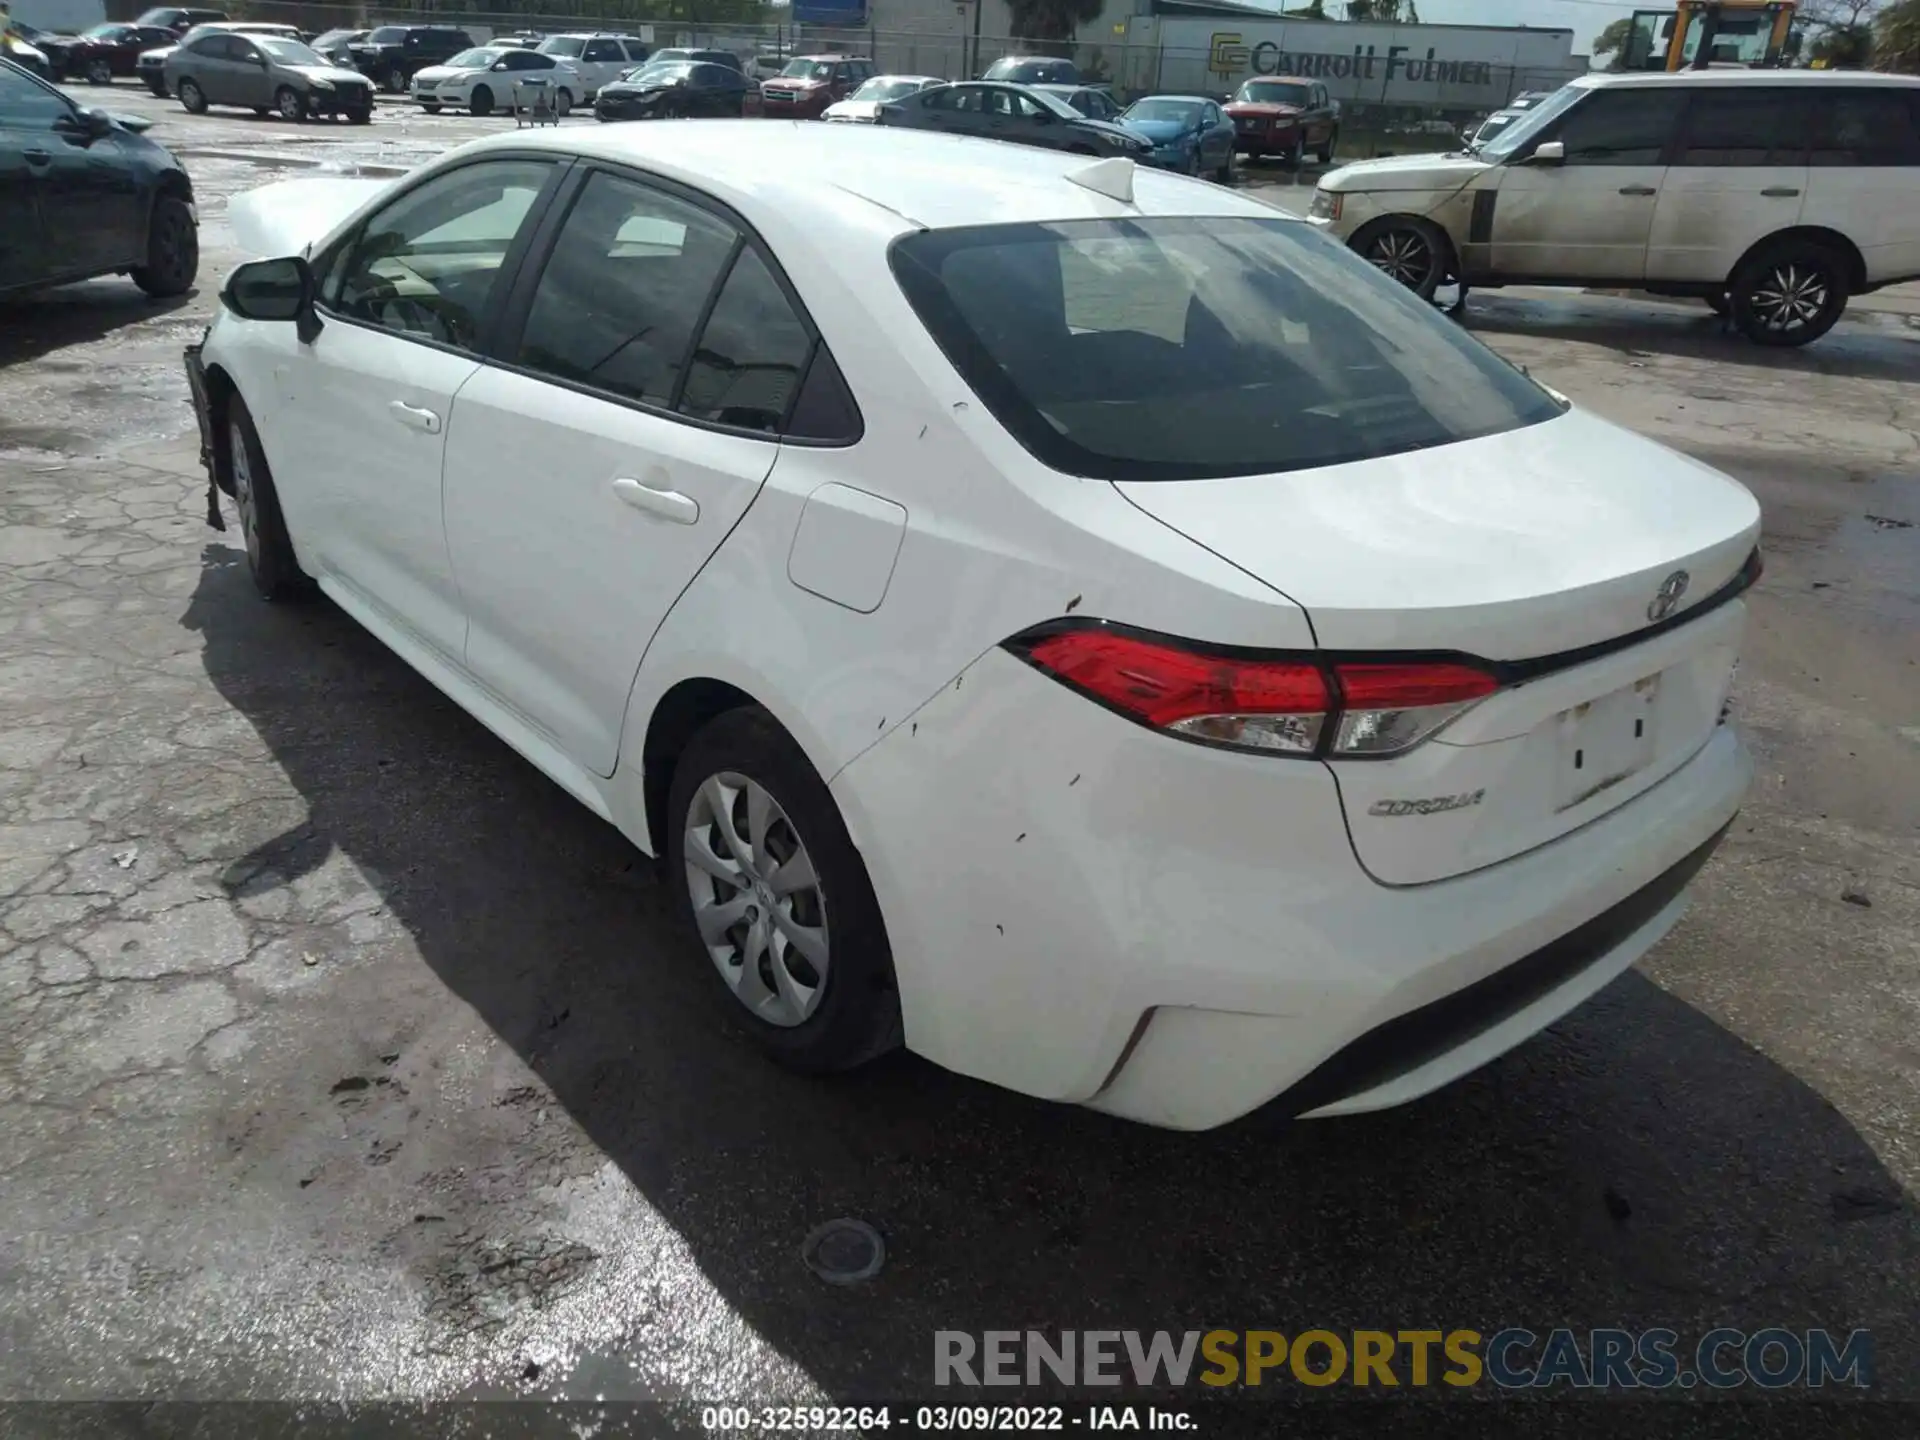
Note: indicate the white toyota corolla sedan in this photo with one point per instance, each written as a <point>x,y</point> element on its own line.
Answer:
<point>1071,620</point>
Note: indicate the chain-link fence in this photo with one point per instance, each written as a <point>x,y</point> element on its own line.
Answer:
<point>1402,107</point>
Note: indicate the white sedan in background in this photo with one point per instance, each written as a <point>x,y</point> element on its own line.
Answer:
<point>482,80</point>
<point>1073,621</point>
<point>863,106</point>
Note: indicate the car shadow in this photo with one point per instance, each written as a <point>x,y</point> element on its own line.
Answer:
<point>1636,1166</point>
<point>1864,348</point>
<point>39,323</point>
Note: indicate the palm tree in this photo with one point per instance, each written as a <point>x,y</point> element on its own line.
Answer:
<point>1051,19</point>
<point>1896,43</point>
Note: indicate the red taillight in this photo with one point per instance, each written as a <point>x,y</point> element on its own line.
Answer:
<point>1277,704</point>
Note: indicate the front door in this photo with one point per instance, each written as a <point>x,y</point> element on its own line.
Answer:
<point>362,426</point>
<point>1587,216</point>
<point>248,78</point>
<point>595,469</point>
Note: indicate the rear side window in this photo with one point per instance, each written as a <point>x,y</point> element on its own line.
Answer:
<point>1621,126</point>
<point>1183,348</point>
<point>1744,126</point>
<point>605,50</point>
<point>622,293</point>
<point>751,355</point>
<point>1865,126</point>
<point>387,35</point>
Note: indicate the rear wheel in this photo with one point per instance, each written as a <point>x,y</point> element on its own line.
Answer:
<point>270,559</point>
<point>291,104</point>
<point>1409,250</point>
<point>768,879</point>
<point>173,250</point>
<point>99,72</point>
<point>1788,293</point>
<point>481,101</point>
<point>192,98</point>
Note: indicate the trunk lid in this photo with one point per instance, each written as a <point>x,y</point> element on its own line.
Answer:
<point>1528,546</point>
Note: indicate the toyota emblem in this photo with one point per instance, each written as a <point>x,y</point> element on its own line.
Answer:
<point>1667,596</point>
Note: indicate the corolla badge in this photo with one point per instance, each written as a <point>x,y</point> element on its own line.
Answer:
<point>1667,596</point>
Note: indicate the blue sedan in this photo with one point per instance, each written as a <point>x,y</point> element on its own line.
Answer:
<point>1189,133</point>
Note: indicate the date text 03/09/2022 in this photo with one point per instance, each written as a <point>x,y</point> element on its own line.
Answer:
<point>941,1418</point>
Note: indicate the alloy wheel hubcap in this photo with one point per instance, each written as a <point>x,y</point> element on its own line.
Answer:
<point>1402,254</point>
<point>757,899</point>
<point>1790,297</point>
<point>243,491</point>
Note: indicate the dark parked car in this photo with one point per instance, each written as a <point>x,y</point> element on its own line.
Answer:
<point>178,21</point>
<point>85,196</point>
<point>392,54</point>
<point>1096,102</point>
<point>101,53</point>
<point>705,57</point>
<point>1286,118</point>
<point>1015,113</point>
<point>1033,70</point>
<point>262,73</point>
<point>1189,133</point>
<point>811,83</point>
<point>337,45</point>
<point>673,90</point>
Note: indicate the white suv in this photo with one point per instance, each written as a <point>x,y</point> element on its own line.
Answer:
<point>600,59</point>
<point>1772,195</point>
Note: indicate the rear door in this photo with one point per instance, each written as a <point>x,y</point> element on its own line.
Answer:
<point>1739,174</point>
<point>1590,215</point>
<point>1864,176</point>
<point>86,196</point>
<point>596,466</point>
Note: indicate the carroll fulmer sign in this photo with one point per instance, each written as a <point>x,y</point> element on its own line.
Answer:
<point>1467,65</point>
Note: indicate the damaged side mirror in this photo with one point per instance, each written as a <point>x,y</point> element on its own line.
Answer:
<point>274,290</point>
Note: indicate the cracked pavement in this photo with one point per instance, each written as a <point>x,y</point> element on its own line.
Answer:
<point>342,1056</point>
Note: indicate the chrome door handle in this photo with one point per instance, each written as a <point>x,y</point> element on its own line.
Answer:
<point>668,504</point>
<point>415,417</point>
<point>36,158</point>
<point>1781,192</point>
<point>1638,190</point>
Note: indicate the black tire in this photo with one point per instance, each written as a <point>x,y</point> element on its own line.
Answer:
<point>173,250</point>
<point>360,117</point>
<point>290,104</point>
<point>192,98</point>
<point>396,81</point>
<point>1297,153</point>
<point>1719,304</point>
<point>857,1016</point>
<point>1788,293</point>
<point>563,103</point>
<point>261,112</point>
<point>481,101</point>
<point>99,72</point>
<point>1406,249</point>
<point>157,88</point>
<point>1325,152</point>
<point>1224,175</point>
<point>432,107</point>
<point>1192,166</point>
<point>263,528</point>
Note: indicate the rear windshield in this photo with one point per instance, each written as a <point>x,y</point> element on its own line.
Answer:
<point>1185,347</point>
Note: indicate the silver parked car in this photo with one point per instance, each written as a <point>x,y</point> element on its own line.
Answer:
<point>265,73</point>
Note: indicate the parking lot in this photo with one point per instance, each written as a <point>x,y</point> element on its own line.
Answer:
<point>343,1056</point>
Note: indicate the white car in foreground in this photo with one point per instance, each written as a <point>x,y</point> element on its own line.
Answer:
<point>863,106</point>
<point>482,80</point>
<point>1068,618</point>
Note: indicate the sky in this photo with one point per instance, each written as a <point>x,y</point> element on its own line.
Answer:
<point>1586,18</point>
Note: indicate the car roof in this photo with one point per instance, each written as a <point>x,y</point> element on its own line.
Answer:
<point>924,179</point>
<point>1815,78</point>
<point>1177,95</point>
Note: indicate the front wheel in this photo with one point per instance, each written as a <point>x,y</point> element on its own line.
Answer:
<point>192,98</point>
<point>99,72</point>
<point>1719,304</point>
<point>1788,293</point>
<point>432,107</point>
<point>1408,250</point>
<point>270,560</point>
<point>1297,154</point>
<point>481,101</point>
<point>360,117</point>
<point>770,883</point>
<point>291,104</point>
<point>397,81</point>
<point>563,104</point>
<point>1325,153</point>
<point>173,250</point>
<point>1224,175</point>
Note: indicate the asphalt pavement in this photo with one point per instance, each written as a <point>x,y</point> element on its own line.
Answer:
<point>342,1056</point>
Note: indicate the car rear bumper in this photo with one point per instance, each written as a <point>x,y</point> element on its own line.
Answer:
<point>1088,911</point>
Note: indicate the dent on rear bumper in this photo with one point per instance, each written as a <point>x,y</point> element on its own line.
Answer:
<point>1051,874</point>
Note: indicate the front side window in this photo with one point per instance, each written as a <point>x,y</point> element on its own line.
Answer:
<point>751,354</point>
<point>623,290</point>
<point>563,45</point>
<point>1865,126</point>
<point>25,104</point>
<point>427,265</point>
<point>290,52</point>
<point>387,35</point>
<point>1184,348</point>
<point>1744,126</point>
<point>1623,126</point>
<point>604,50</point>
